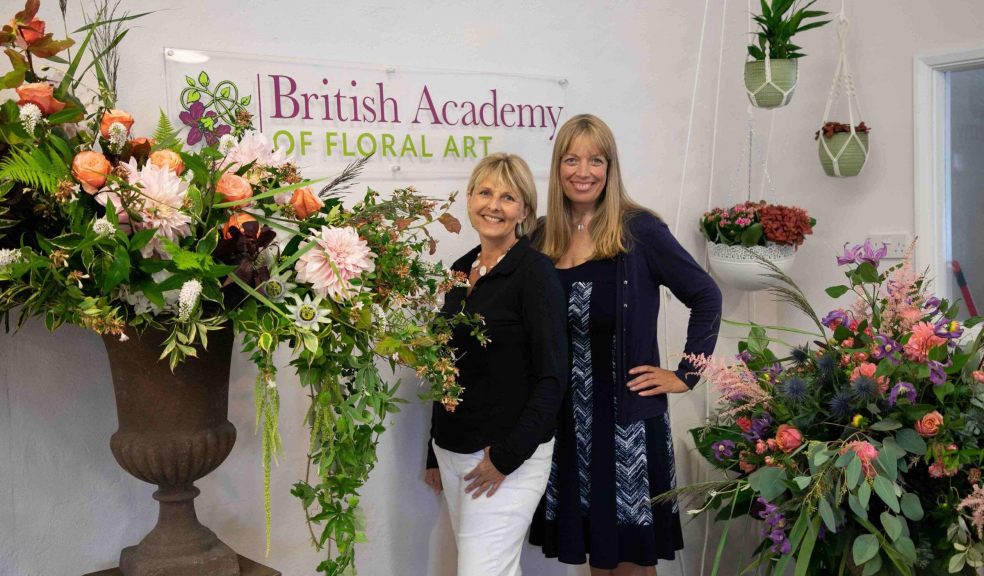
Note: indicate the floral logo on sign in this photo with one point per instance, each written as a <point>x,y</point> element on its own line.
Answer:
<point>211,112</point>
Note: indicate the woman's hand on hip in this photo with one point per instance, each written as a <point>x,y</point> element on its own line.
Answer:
<point>484,478</point>
<point>432,477</point>
<point>651,380</point>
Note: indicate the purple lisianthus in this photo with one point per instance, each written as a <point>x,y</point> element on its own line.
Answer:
<point>760,428</point>
<point>835,318</point>
<point>723,449</point>
<point>850,255</point>
<point>885,349</point>
<point>937,372</point>
<point>870,255</point>
<point>904,389</point>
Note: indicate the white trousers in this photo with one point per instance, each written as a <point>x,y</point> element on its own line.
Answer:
<point>490,532</point>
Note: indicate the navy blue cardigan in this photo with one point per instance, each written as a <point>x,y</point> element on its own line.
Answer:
<point>655,259</point>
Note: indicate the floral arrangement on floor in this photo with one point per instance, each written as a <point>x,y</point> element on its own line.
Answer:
<point>120,233</point>
<point>860,451</point>
<point>757,224</point>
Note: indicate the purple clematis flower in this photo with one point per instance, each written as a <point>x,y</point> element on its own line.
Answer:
<point>886,348</point>
<point>203,124</point>
<point>905,389</point>
<point>760,426</point>
<point>932,305</point>
<point>850,255</point>
<point>870,255</point>
<point>948,329</point>
<point>745,356</point>
<point>723,449</point>
<point>835,318</point>
<point>937,373</point>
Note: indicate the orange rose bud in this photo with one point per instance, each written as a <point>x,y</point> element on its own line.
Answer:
<point>113,116</point>
<point>305,203</point>
<point>237,220</point>
<point>168,159</point>
<point>90,169</point>
<point>140,148</point>
<point>42,95</point>
<point>930,424</point>
<point>234,188</point>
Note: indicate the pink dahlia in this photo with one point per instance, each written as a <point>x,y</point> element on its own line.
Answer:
<point>163,194</point>
<point>923,340</point>
<point>339,256</point>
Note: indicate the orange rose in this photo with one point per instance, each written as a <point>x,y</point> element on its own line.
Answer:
<point>168,159</point>
<point>238,220</point>
<point>113,116</point>
<point>305,203</point>
<point>930,424</point>
<point>42,95</point>
<point>234,188</point>
<point>140,148</point>
<point>90,169</point>
<point>788,438</point>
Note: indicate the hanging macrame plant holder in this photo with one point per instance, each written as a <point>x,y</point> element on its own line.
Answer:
<point>739,266</point>
<point>770,83</point>
<point>843,148</point>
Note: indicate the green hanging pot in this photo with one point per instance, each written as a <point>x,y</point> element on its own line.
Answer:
<point>844,154</point>
<point>771,90</point>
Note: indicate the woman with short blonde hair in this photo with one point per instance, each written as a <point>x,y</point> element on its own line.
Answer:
<point>613,449</point>
<point>492,455</point>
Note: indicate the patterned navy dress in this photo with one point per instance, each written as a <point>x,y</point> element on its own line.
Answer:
<point>596,506</point>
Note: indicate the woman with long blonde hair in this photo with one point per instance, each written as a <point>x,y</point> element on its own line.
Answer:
<point>613,446</point>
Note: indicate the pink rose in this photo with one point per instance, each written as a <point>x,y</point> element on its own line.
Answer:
<point>929,424</point>
<point>788,438</point>
<point>744,422</point>
<point>760,447</point>
<point>866,453</point>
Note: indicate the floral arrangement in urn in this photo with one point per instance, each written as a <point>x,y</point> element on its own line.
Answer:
<point>860,451</point>
<point>738,235</point>
<point>129,235</point>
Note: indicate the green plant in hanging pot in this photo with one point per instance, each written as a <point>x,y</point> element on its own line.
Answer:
<point>772,74</point>
<point>843,149</point>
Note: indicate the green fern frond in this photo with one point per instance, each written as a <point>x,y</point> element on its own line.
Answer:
<point>165,136</point>
<point>5,188</point>
<point>34,168</point>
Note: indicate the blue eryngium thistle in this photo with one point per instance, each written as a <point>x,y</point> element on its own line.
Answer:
<point>864,390</point>
<point>800,354</point>
<point>826,368</point>
<point>795,389</point>
<point>841,406</point>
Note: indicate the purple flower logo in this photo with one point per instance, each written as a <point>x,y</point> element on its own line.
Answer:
<point>203,124</point>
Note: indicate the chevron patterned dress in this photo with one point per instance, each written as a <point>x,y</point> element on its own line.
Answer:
<point>596,507</point>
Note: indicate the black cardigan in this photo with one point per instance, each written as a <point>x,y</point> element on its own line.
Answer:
<point>514,386</point>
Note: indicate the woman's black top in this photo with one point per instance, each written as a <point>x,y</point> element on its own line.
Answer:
<point>513,386</point>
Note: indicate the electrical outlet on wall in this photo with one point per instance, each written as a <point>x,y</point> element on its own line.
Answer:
<point>897,243</point>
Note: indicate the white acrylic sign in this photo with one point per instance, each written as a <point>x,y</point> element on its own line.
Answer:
<point>422,123</point>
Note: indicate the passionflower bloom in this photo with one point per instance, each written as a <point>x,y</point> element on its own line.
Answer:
<point>789,438</point>
<point>308,313</point>
<point>929,424</point>
<point>338,257</point>
<point>91,169</point>
<point>866,452</point>
<point>723,449</point>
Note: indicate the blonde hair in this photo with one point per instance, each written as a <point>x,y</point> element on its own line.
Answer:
<point>608,231</point>
<point>511,171</point>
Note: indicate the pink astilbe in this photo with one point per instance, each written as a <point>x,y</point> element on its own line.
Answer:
<point>903,297</point>
<point>975,502</point>
<point>737,384</point>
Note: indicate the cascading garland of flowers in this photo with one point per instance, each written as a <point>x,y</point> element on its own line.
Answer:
<point>119,234</point>
<point>862,450</point>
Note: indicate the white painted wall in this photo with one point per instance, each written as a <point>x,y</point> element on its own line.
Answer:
<point>67,508</point>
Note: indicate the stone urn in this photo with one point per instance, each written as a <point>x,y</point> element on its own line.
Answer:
<point>173,430</point>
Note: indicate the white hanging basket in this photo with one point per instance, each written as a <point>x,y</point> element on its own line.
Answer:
<point>735,267</point>
<point>843,154</point>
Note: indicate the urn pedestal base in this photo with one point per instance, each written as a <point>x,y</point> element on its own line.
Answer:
<point>246,568</point>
